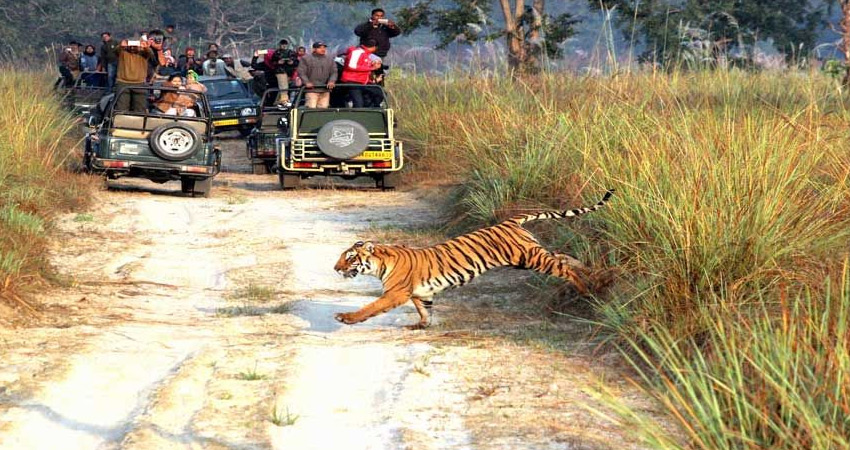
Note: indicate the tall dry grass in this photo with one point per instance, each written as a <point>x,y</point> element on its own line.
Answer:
<point>732,187</point>
<point>35,148</point>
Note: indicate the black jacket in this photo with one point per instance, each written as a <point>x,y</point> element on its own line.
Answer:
<point>381,34</point>
<point>284,61</point>
<point>109,52</point>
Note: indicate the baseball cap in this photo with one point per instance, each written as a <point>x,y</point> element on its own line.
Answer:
<point>318,44</point>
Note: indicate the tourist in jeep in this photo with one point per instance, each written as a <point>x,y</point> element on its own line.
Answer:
<point>170,102</point>
<point>188,61</point>
<point>379,28</point>
<point>69,63</point>
<point>357,69</point>
<point>283,62</point>
<point>133,59</point>
<point>213,66</point>
<point>89,60</point>
<point>109,58</point>
<point>318,69</point>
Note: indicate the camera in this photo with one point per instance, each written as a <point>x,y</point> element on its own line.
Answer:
<point>384,21</point>
<point>134,43</point>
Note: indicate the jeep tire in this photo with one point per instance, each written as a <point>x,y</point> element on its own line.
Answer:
<point>174,141</point>
<point>203,188</point>
<point>388,181</point>
<point>259,168</point>
<point>187,185</point>
<point>343,139</point>
<point>288,181</point>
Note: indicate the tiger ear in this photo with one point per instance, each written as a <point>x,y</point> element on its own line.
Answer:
<point>369,246</point>
<point>358,244</point>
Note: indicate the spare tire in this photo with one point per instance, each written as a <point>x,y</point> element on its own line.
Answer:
<point>175,141</point>
<point>343,139</point>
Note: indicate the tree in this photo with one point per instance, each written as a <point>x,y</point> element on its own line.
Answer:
<point>728,25</point>
<point>529,32</point>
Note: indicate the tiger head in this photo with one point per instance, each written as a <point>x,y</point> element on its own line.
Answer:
<point>359,259</point>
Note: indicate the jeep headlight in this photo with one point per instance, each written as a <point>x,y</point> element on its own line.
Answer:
<point>249,111</point>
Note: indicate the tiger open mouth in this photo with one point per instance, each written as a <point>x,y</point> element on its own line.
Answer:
<point>351,273</point>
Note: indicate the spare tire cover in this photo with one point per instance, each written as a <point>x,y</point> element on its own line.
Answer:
<point>174,141</point>
<point>343,139</point>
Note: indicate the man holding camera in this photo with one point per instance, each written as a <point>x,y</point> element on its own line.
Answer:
<point>133,57</point>
<point>380,29</point>
<point>283,62</point>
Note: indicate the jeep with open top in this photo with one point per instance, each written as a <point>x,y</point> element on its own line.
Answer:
<point>342,140</point>
<point>146,143</point>
<point>272,126</point>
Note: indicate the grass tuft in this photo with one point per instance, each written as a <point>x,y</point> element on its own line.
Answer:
<point>36,148</point>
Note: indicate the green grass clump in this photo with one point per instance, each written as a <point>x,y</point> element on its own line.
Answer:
<point>34,183</point>
<point>732,188</point>
<point>776,378</point>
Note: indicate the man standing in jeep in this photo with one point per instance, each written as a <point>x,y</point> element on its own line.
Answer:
<point>133,59</point>
<point>318,69</point>
<point>379,28</point>
<point>358,69</point>
<point>108,60</point>
<point>283,62</point>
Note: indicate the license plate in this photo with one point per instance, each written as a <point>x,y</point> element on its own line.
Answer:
<point>222,123</point>
<point>377,154</point>
<point>129,149</point>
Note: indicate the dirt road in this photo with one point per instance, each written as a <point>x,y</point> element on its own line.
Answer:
<point>208,323</point>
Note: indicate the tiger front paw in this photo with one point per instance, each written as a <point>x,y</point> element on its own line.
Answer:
<point>346,318</point>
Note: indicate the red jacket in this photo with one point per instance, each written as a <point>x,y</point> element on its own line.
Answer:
<point>357,67</point>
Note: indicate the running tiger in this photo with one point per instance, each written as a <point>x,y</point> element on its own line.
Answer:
<point>417,274</point>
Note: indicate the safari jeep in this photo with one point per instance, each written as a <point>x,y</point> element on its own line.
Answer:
<point>83,97</point>
<point>150,144</point>
<point>341,140</point>
<point>272,125</point>
<point>232,103</point>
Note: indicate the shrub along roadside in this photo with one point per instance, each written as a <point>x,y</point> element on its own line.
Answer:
<point>34,182</point>
<point>732,188</point>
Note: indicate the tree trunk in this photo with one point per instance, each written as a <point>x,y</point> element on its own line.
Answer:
<point>524,38</point>
<point>535,45</point>
<point>514,33</point>
<point>845,39</point>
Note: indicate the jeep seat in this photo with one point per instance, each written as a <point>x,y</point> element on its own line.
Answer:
<point>140,127</point>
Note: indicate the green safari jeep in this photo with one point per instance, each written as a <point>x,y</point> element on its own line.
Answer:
<point>342,140</point>
<point>153,145</point>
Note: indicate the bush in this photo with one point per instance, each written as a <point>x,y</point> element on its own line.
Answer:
<point>34,183</point>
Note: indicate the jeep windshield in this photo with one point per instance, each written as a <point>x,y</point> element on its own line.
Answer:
<point>226,89</point>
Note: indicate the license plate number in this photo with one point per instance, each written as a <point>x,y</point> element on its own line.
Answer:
<point>377,154</point>
<point>221,123</point>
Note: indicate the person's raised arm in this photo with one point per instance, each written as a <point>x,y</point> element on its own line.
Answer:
<point>392,29</point>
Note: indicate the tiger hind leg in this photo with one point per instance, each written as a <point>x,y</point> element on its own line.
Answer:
<point>423,306</point>
<point>557,265</point>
